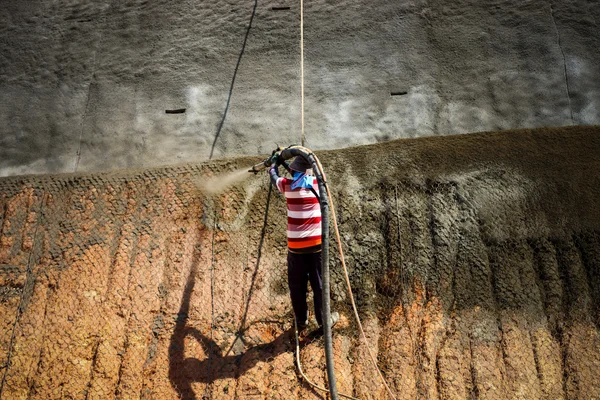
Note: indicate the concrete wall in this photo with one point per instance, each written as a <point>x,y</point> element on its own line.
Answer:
<point>84,85</point>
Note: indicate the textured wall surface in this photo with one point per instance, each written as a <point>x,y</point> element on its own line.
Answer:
<point>475,261</point>
<point>84,85</point>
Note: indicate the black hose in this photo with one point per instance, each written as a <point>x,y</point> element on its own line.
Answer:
<point>324,203</point>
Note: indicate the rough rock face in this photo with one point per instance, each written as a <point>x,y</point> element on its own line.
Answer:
<point>475,262</point>
<point>84,84</point>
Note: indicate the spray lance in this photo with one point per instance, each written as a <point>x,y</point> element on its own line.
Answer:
<point>275,156</point>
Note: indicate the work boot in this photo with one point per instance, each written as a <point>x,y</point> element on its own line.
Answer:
<point>301,326</point>
<point>335,317</point>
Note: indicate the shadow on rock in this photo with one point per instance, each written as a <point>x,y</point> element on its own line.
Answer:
<point>183,372</point>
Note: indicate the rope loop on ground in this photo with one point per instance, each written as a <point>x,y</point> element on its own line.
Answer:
<point>299,365</point>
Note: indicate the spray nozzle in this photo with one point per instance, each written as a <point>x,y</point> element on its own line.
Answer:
<point>275,158</point>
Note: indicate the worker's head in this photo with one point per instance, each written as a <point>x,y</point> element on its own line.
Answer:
<point>301,165</point>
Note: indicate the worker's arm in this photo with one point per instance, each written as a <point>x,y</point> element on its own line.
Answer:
<point>274,174</point>
<point>277,180</point>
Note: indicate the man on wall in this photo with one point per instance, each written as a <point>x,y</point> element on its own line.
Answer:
<point>304,238</point>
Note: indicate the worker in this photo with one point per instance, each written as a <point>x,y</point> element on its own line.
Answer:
<point>303,236</point>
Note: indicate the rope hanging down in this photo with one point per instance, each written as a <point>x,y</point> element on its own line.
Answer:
<point>373,360</point>
<point>302,68</point>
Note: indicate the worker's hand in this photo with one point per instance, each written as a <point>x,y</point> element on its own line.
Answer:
<point>273,173</point>
<point>276,160</point>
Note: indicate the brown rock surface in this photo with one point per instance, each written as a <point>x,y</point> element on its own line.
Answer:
<point>474,259</point>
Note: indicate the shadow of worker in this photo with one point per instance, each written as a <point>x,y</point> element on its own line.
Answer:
<point>214,364</point>
<point>184,371</point>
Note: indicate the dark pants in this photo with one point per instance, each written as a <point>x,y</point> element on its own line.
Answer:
<point>303,268</point>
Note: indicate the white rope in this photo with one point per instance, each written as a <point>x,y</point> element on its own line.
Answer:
<point>373,360</point>
<point>302,67</point>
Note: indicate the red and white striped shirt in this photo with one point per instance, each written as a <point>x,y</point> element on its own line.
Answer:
<point>304,215</point>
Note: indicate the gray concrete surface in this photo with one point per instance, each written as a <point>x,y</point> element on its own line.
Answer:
<point>84,85</point>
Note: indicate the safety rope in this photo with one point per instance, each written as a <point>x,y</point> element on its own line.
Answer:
<point>302,68</point>
<point>337,233</point>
